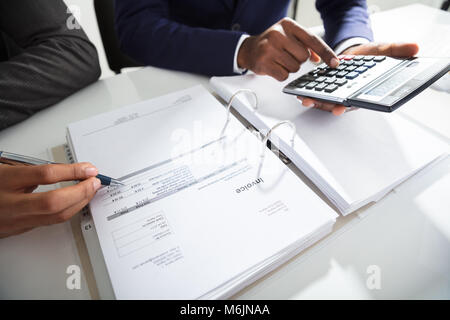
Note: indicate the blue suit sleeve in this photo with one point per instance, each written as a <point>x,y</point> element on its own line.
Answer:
<point>344,19</point>
<point>148,35</point>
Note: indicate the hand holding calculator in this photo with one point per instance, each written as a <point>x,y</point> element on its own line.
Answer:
<point>373,82</point>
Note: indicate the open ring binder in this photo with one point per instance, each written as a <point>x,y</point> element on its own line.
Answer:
<point>279,124</point>
<point>230,102</point>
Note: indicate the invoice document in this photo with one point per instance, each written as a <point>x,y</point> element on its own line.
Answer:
<point>205,208</point>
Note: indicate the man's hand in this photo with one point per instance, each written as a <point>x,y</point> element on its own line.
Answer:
<point>393,50</point>
<point>281,50</point>
<point>21,210</point>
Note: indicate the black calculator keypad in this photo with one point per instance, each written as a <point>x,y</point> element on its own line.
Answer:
<point>328,80</point>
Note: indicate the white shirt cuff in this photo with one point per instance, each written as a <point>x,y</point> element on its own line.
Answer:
<point>344,45</point>
<point>236,68</point>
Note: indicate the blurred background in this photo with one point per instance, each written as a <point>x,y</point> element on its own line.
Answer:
<point>306,15</point>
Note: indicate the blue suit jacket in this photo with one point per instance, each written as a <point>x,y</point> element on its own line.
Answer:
<point>200,36</point>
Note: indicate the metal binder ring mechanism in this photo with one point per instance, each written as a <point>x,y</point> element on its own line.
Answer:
<point>230,103</point>
<point>268,135</point>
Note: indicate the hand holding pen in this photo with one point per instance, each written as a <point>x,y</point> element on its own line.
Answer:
<point>22,210</point>
<point>15,159</point>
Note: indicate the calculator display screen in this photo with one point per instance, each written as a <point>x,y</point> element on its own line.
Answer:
<point>395,86</point>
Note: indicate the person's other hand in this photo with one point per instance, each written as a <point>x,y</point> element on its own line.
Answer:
<point>21,210</point>
<point>400,50</point>
<point>282,49</point>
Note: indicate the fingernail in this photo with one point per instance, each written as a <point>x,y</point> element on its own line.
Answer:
<point>96,184</point>
<point>334,63</point>
<point>310,105</point>
<point>91,171</point>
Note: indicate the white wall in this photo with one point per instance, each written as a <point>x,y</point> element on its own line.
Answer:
<point>306,15</point>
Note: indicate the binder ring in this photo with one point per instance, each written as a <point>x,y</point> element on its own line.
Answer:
<point>235,95</point>
<point>279,124</point>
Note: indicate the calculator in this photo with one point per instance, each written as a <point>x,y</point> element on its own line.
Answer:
<point>372,82</point>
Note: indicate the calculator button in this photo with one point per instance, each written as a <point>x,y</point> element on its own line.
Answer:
<point>369,64</point>
<point>331,88</point>
<point>322,72</point>
<point>311,85</point>
<point>358,63</point>
<point>357,58</point>
<point>368,58</point>
<point>300,84</point>
<point>307,77</point>
<point>348,57</point>
<point>379,58</point>
<point>361,69</point>
<point>321,79</point>
<point>352,75</point>
<point>340,82</point>
<point>347,63</point>
<point>330,80</point>
<point>350,68</point>
<point>332,73</point>
<point>341,67</point>
<point>320,86</point>
<point>341,74</point>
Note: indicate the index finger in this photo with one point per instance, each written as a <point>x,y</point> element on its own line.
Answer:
<point>26,176</point>
<point>314,43</point>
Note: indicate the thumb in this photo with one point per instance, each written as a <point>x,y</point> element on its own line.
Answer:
<point>398,49</point>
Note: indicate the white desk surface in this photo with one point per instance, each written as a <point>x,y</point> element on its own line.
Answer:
<point>407,234</point>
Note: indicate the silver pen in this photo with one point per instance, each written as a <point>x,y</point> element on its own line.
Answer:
<point>17,159</point>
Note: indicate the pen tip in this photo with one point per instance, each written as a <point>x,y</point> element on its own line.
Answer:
<point>117,182</point>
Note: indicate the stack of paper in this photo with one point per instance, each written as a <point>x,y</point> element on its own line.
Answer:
<point>202,214</point>
<point>354,159</point>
